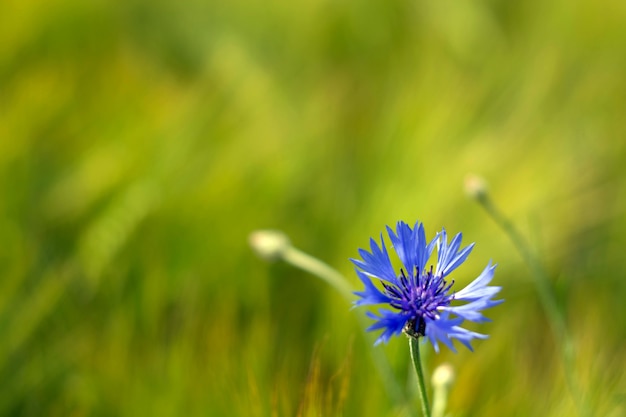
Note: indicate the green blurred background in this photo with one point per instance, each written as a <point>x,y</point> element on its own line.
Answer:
<point>142,141</point>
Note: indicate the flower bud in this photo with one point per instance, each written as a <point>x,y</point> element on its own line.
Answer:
<point>475,186</point>
<point>443,376</point>
<point>269,244</point>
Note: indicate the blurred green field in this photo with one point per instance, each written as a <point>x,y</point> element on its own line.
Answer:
<point>141,143</point>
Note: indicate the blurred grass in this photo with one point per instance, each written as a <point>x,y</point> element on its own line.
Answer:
<point>141,142</point>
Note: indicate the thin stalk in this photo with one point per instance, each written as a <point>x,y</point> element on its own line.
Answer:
<point>439,404</point>
<point>546,297</point>
<point>414,347</point>
<point>540,277</point>
<point>318,268</point>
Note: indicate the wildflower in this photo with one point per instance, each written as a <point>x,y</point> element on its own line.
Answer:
<point>420,296</point>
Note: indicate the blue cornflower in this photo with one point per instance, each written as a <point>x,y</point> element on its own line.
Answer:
<point>421,296</point>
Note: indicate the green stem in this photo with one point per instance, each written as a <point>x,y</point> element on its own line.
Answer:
<point>439,404</point>
<point>318,268</point>
<point>542,284</point>
<point>547,298</point>
<point>417,364</point>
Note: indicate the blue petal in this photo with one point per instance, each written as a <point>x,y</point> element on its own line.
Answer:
<point>406,246</point>
<point>427,253</point>
<point>478,288</point>
<point>371,295</point>
<point>376,264</point>
<point>392,324</point>
<point>439,329</point>
<point>465,336</point>
<point>449,257</point>
<point>472,311</point>
<point>444,329</point>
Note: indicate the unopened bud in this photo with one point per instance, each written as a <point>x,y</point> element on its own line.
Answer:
<point>269,244</point>
<point>475,186</point>
<point>443,376</point>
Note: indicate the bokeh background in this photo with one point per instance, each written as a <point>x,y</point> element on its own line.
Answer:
<point>142,141</point>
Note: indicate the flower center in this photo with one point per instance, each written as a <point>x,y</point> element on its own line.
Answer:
<point>419,296</point>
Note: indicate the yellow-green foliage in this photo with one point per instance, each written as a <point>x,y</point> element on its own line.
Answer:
<point>141,142</point>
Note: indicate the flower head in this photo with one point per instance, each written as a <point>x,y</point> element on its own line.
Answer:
<point>420,295</point>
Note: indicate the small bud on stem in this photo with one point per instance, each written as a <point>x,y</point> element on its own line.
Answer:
<point>269,244</point>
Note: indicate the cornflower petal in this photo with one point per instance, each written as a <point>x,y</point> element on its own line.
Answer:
<point>376,264</point>
<point>427,253</point>
<point>441,330</point>
<point>444,329</point>
<point>391,323</point>
<point>405,244</point>
<point>449,256</point>
<point>371,295</point>
<point>478,288</point>
<point>471,311</point>
<point>458,259</point>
